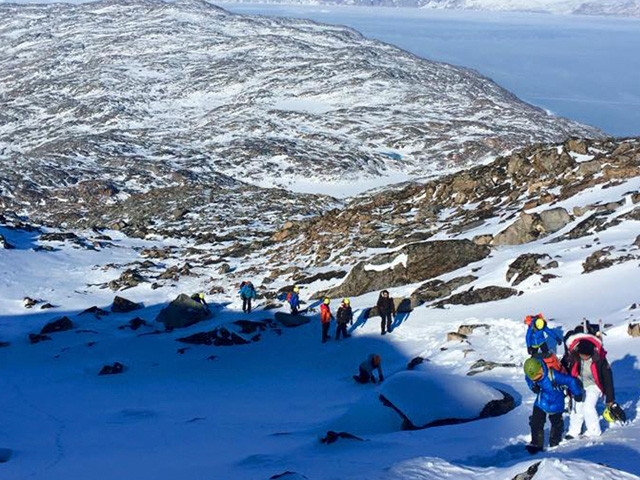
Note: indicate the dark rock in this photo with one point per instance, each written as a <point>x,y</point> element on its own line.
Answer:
<point>183,312</point>
<point>60,325</point>
<point>634,329</point>
<point>224,269</point>
<point>123,305</point>
<point>332,437</point>
<point>288,475</point>
<point>46,306</point>
<point>220,337</point>
<point>435,289</point>
<point>29,302</point>
<point>216,289</point>
<point>4,344</point>
<point>175,273</point>
<point>496,408</point>
<point>424,260</point>
<point>134,324</point>
<point>249,327</point>
<point>114,369</point>
<point>59,237</point>
<point>319,276</point>
<point>529,474</point>
<point>182,351</point>
<point>212,357</point>
<point>35,338</point>
<point>129,279</point>
<point>98,312</point>
<point>415,362</point>
<point>480,295</point>
<point>288,320</point>
<point>485,366</point>
<point>524,266</point>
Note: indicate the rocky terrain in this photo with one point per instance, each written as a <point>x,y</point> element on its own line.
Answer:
<point>99,106</point>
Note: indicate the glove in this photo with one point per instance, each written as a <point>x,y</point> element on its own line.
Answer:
<point>579,398</point>
<point>558,341</point>
<point>535,389</point>
<point>530,350</point>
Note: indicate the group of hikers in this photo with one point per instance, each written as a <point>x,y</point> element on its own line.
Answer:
<point>574,384</point>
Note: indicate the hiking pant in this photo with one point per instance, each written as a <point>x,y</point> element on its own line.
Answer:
<point>341,329</point>
<point>294,310</point>
<point>246,305</point>
<point>385,324</point>
<point>543,349</point>
<point>585,412</point>
<point>325,331</point>
<point>537,421</point>
<point>363,376</point>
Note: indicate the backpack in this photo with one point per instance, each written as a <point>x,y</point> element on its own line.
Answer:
<point>531,318</point>
<point>289,296</point>
<point>552,362</point>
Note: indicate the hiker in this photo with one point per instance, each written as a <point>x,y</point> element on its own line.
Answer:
<point>199,297</point>
<point>586,360</point>
<point>386,310</point>
<point>294,300</point>
<point>365,375</point>
<point>325,318</point>
<point>343,317</point>
<point>247,293</point>
<point>545,383</point>
<point>537,335</point>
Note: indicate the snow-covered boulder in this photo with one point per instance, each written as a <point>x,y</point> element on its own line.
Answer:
<point>431,398</point>
<point>422,398</point>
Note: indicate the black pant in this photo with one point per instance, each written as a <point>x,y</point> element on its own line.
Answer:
<point>246,305</point>
<point>325,331</point>
<point>544,349</point>
<point>363,377</point>
<point>341,328</point>
<point>537,421</point>
<point>385,324</point>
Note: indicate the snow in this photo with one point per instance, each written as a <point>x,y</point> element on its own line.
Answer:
<point>399,260</point>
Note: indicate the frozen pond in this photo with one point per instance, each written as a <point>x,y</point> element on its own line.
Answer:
<point>584,68</point>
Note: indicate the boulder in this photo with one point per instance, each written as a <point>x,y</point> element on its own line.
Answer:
<point>182,312</point>
<point>435,289</point>
<point>402,305</point>
<point>484,239</point>
<point>456,337</point>
<point>529,474</point>
<point>485,366</point>
<point>412,263</point>
<point>525,266</point>
<point>219,336</point>
<point>305,280</point>
<point>4,344</point>
<point>29,302</point>
<point>634,329</point>
<point>224,269</point>
<point>37,338</point>
<point>288,475</point>
<point>134,324</point>
<point>129,279</point>
<point>123,305</point>
<point>530,227</point>
<point>480,295</point>
<point>114,369</point>
<point>288,320</point>
<point>96,311</point>
<point>60,325</point>
<point>469,329</point>
<point>332,437</point>
<point>431,398</point>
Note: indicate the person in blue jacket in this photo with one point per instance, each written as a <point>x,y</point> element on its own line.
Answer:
<point>294,300</point>
<point>247,293</point>
<point>547,384</point>
<point>537,336</point>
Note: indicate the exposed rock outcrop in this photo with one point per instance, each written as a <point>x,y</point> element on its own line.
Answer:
<point>183,312</point>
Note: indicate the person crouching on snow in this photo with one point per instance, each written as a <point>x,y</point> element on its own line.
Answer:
<point>365,375</point>
<point>587,361</point>
<point>546,383</point>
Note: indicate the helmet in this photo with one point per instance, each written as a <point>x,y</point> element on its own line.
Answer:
<point>376,360</point>
<point>532,367</point>
<point>327,301</point>
<point>540,323</point>
<point>296,289</point>
<point>614,414</point>
<point>201,296</point>
<point>346,301</point>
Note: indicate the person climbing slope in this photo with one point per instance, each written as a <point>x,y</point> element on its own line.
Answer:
<point>546,383</point>
<point>199,297</point>
<point>537,334</point>
<point>325,318</point>
<point>247,294</point>
<point>293,298</point>
<point>365,374</point>
<point>387,310</point>
<point>344,316</point>
<point>586,360</point>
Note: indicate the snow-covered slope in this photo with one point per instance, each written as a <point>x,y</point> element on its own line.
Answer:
<point>258,410</point>
<point>136,95</point>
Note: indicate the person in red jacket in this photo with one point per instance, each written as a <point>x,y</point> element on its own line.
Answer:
<point>325,318</point>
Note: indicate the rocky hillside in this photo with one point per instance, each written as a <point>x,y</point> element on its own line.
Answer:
<point>99,102</point>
